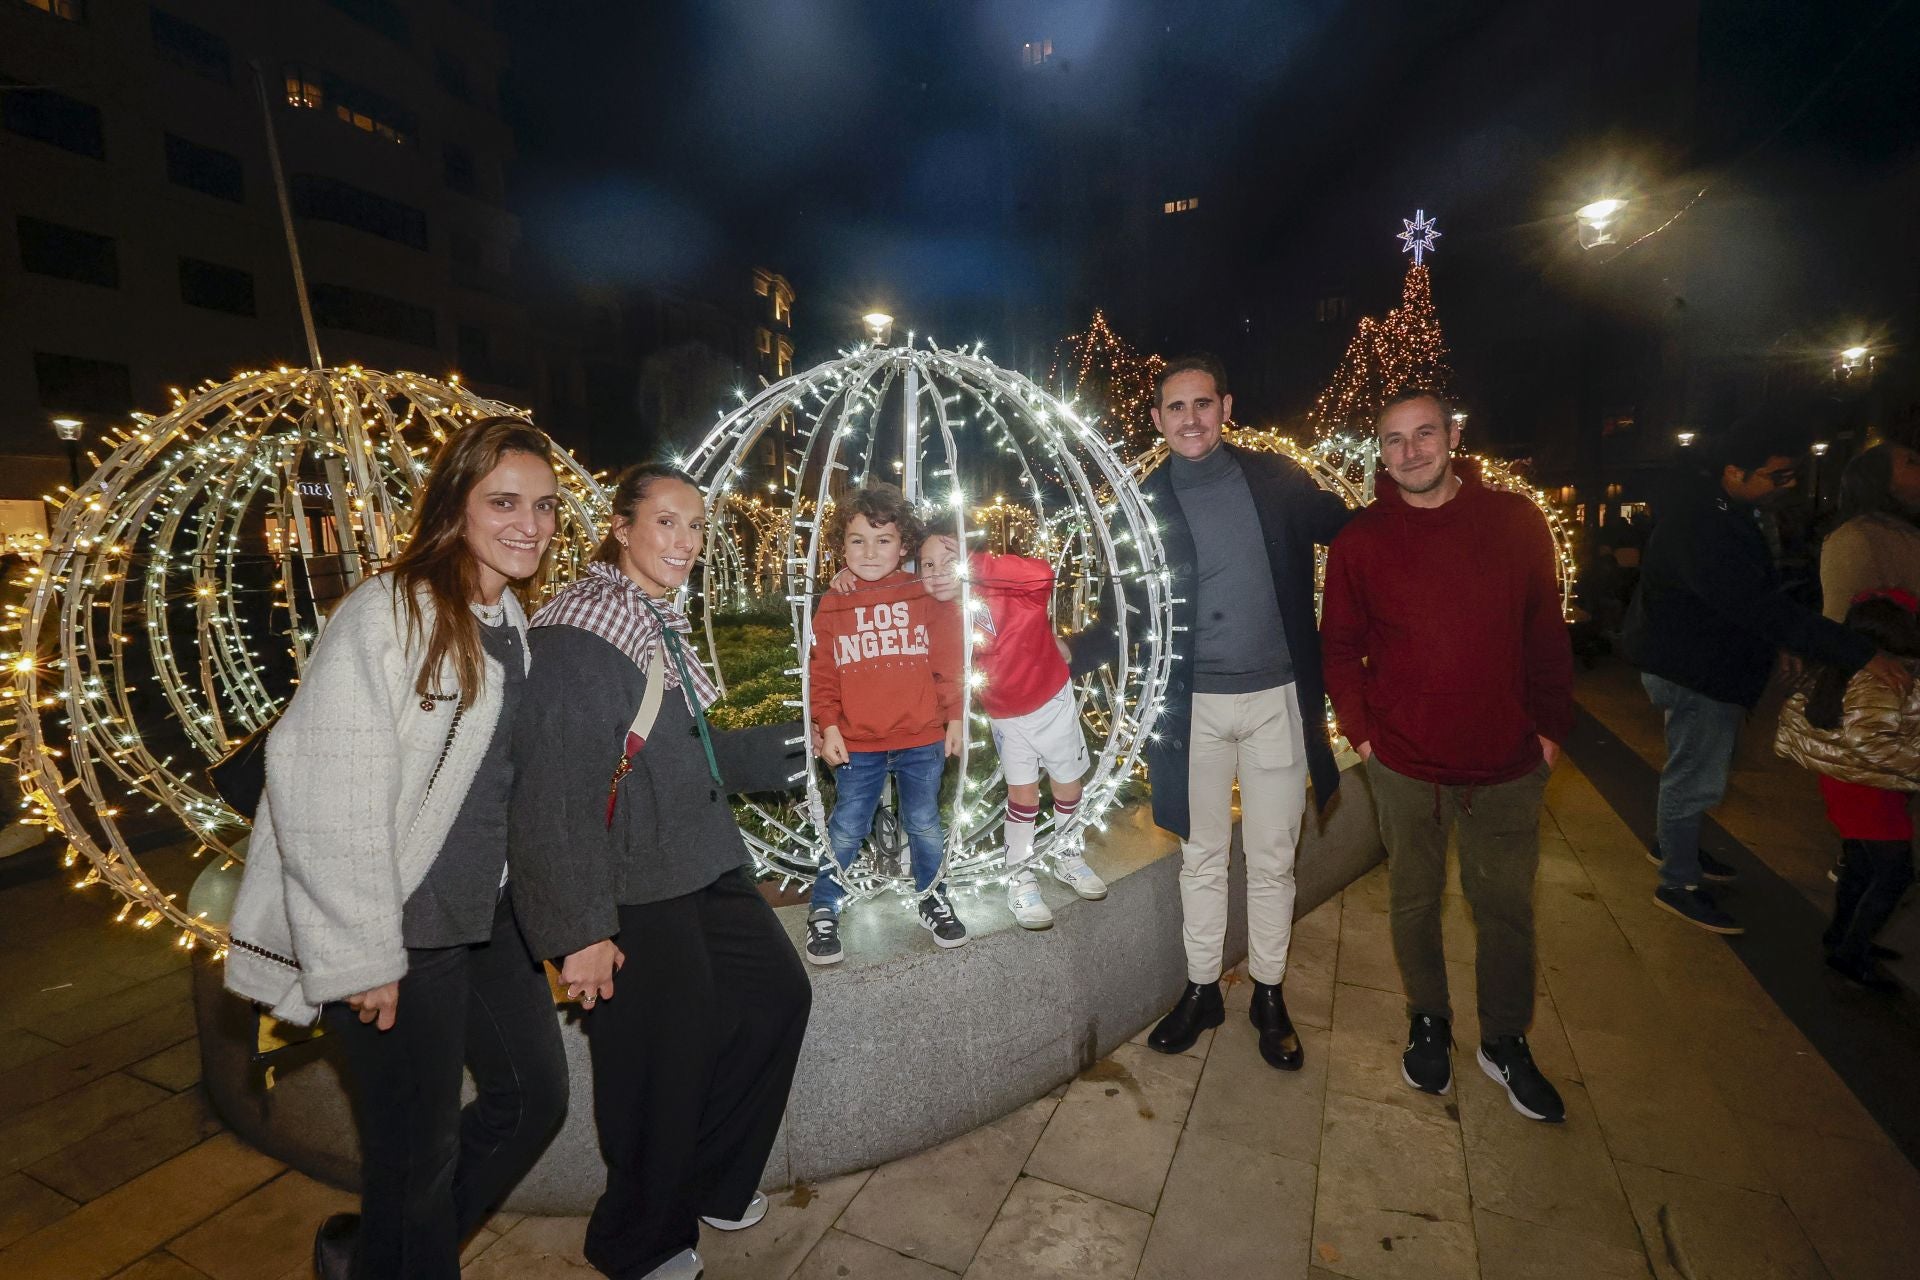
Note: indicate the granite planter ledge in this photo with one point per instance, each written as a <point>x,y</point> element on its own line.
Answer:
<point>908,1045</point>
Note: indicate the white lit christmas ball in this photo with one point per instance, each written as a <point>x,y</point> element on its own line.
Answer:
<point>185,584</point>
<point>993,460</point>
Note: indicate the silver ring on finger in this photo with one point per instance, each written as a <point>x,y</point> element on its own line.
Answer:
<point>589,1001</point>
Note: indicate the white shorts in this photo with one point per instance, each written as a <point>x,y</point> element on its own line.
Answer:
<point>1049,736</point>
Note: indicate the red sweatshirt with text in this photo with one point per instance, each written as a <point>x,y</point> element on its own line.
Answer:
<point>1013,634</point>
<point>1441,635</point>
<point>885,665</point>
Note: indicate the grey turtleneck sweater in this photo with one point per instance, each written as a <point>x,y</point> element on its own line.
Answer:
<point>1239,645</point>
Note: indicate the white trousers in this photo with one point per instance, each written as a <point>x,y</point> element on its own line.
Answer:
<point>1257,739</point>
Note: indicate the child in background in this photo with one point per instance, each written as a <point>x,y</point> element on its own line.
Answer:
<point>1863,739</point>
<point>885,697</point>
<point>1028,694</point>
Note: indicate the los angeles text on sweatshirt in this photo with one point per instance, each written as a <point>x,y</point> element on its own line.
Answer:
<point>885,665</point>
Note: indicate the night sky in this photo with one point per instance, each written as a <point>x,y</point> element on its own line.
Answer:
<point>889,152</point>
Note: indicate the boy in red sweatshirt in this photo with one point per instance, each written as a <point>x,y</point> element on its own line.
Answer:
<point>884,674</point>
<point>1449,667</point>
<point>1028,694</point>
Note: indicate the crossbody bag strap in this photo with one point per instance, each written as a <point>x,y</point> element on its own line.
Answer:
<point>637,732</point>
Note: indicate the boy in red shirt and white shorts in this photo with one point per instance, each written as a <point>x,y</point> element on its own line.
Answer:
<point>1028,694</point>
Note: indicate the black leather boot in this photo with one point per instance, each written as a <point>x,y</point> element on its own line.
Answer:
<point>1198,1008</point>
<point>333,1246</point>
<point>1279,1044</point>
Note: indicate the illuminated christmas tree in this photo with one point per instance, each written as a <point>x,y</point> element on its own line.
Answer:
<point>1110,377</point>
<point>1403,348</point>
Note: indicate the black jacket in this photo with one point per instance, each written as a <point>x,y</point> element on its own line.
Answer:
<point>672,831</point>
<point>1295,514</point>
<point>1710,613</point>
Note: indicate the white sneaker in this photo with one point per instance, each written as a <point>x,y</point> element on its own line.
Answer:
<point>756,1210</point>
<point>1071,870</point>
<point>684,1265</point>
<point>1028,907</point>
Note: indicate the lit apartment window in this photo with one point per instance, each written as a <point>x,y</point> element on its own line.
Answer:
<point>783,305</point>
<point>304,90</point>
<point>783,360</point>
<point>1181,206</point>
<point>1036,53</point>
<point>762,282</point>
<point>65,10</point>
<point>763,341</point>
<point>350,104</point>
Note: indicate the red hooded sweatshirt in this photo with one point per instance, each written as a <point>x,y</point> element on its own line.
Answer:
<point>1441,635</point>
<point>885,666</point>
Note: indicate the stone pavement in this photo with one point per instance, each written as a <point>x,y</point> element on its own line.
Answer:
<point>1706,1137</point>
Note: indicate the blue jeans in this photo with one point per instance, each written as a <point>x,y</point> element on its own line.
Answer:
<point>857,786</point>
<point>1701,733</point>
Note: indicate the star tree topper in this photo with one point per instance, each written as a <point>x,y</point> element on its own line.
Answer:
<point>1419,235</point>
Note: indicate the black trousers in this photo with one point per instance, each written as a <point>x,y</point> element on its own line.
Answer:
<point>430,1170</point>
<point>693,1058</point>
<point>1873,876</point>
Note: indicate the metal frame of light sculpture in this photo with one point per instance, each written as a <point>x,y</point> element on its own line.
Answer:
<point>850,421</point>
<point>166,548</point>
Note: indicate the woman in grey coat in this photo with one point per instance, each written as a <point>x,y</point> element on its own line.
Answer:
<point>630,873</point>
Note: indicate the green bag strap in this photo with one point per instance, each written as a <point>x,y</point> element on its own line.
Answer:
<point>672,640</point>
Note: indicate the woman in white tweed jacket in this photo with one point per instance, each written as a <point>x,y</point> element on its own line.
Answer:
<point>374,896</point>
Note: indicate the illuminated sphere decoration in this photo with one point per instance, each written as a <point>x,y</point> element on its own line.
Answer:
<point>183,588</point>
<point>989,457</point>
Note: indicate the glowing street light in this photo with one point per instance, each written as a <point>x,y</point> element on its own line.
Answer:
<point>1685,438</point>
<point>70,431</point>
<point>1820,448</point>
<point>1597,221</point>
<point>879,327</point>
<point>1851,361</point>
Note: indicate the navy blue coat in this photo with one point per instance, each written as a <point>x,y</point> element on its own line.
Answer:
<point>1295,514</point>
<point>1710,612</point>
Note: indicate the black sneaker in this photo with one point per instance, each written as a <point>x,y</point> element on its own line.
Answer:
<point>823,938</point>
<point>1711,868</point>
<point>1868,976</point>
<point>1427,1064</point>
<point>1697,906</point>
<point>1509,1063</point>
<point>936,916</point>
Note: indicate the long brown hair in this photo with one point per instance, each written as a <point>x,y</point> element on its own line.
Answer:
<point>629,491</point>
<point>436,560</point>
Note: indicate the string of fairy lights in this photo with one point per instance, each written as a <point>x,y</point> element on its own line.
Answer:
<point>1107,369</point>
<point>184,586</point>
<point>937,421</point>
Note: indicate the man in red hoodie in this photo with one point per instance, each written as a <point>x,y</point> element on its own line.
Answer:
<point>1450,670</point>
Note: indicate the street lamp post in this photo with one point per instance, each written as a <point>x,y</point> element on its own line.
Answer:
<point>1598,221</point>
<point>70,430</point>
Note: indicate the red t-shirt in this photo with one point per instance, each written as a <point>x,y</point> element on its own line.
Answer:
<point>885,665</point>
<point>1013,644</point>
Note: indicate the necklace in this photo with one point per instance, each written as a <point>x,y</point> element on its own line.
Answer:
<point>491,614</point>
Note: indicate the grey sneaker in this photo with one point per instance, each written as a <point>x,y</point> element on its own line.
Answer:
<point>823,938</point>
<point>936,916</point>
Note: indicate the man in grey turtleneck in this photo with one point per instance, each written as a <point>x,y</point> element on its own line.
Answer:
<point>1245,701</point>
